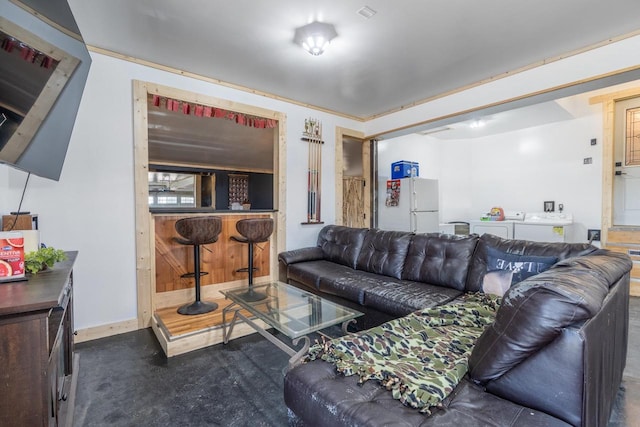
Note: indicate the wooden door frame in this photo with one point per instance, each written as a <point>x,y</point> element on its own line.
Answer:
<point>341,133</point>
<point>145,234</point>
<point>608,102</point>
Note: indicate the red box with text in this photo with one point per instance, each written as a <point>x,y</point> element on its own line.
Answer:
<point>11,255</point>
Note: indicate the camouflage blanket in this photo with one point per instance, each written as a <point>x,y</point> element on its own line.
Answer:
<point>421,357</point>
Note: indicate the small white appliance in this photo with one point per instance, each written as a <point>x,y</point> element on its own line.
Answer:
<point>460,228</point>
<point>504,229</point>
<point>545,227</point>
<point>417,206</point>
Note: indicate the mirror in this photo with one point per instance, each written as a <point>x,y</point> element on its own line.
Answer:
<point>43,70</point>
<point>30,82</point>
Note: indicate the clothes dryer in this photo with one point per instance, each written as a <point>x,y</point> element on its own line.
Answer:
<point>502,229</point>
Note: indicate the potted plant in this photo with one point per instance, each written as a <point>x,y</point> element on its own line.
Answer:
<point>42,259</point>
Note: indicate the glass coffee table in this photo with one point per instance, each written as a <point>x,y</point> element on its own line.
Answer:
<point>290,310</point>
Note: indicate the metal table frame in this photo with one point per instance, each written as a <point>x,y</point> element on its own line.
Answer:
<point>296,356</point>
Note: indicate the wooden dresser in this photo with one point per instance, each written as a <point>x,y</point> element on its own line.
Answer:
<point>37,366</point>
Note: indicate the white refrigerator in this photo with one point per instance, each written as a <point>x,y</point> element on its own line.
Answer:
<point>413,207</point>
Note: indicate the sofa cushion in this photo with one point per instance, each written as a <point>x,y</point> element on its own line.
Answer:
<point>522,266</point>
<point>478,266</point>
<point>352,284</point>
<point>320,396</point>
<point>535,311</point>
<point>497,282</point>
<point>301,255</point>
<point>309,273</point>
<point>439,259</point>
<point>505,269</point>
<point>384,252</point>
<point>402,298</point>
<point>341,244</point>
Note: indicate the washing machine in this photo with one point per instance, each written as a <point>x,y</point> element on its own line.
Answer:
<point>504,229</point>
<point>545,227</point>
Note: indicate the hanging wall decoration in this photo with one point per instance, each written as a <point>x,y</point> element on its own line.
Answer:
<point>313,136</point>
<point>198,110</point>
<point>10,44</point>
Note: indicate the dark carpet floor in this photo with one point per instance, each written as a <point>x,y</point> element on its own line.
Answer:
<point>126,380</point>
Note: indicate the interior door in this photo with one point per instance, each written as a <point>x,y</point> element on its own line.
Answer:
<point>353,202</point>
<point>626,182</point>
<point>356,202</point>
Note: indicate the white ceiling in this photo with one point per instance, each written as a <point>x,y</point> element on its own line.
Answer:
<point>411,50</point>
<point>408,52</point>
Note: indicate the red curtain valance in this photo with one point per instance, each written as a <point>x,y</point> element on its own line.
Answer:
<point>27,53</point>
<point>207,111</point>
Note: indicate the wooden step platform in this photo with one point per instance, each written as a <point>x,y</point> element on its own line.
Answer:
<point>626,240</point>
<point>180,334</point>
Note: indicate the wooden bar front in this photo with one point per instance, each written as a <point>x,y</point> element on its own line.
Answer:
<point>220,259</point>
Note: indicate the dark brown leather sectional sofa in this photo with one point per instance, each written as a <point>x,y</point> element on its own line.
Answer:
<point>553,357</point>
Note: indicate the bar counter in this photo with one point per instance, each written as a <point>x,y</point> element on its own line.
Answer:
<point>220,259</point>
<point>208,210</point>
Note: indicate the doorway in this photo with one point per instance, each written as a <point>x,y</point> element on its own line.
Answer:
<point>620,182</point>
<point>145,225</point>
<point>626,180</point>
<point>353,178</point>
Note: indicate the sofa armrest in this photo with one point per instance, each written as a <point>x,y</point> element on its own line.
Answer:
<point>543,305</point>
<point>301,255</point>
<point>584,364</point>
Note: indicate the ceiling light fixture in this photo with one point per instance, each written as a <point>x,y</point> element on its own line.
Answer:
<point>315,37</point>
<point>431,131</point>
<point>477,124</point>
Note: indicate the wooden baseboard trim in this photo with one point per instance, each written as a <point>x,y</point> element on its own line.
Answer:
<point>103,331</point>
<point>634,288</point>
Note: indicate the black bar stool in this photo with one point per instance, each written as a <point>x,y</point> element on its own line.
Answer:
<point>254,230</point>
<point>198,231</point>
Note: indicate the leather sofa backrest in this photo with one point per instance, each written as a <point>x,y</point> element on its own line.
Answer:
<point>478,266</point>
<point>384,252</point>
<point>535,311</point>
<point>341,244</point>
<point>440,259</point>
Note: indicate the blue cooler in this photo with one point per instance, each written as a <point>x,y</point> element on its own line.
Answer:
<point>402,169</point>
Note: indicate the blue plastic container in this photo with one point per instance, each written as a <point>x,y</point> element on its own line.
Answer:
<point>402,169</point>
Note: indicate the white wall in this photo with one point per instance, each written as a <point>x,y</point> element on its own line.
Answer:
<point>414,148</point>
<point>515,170</point>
